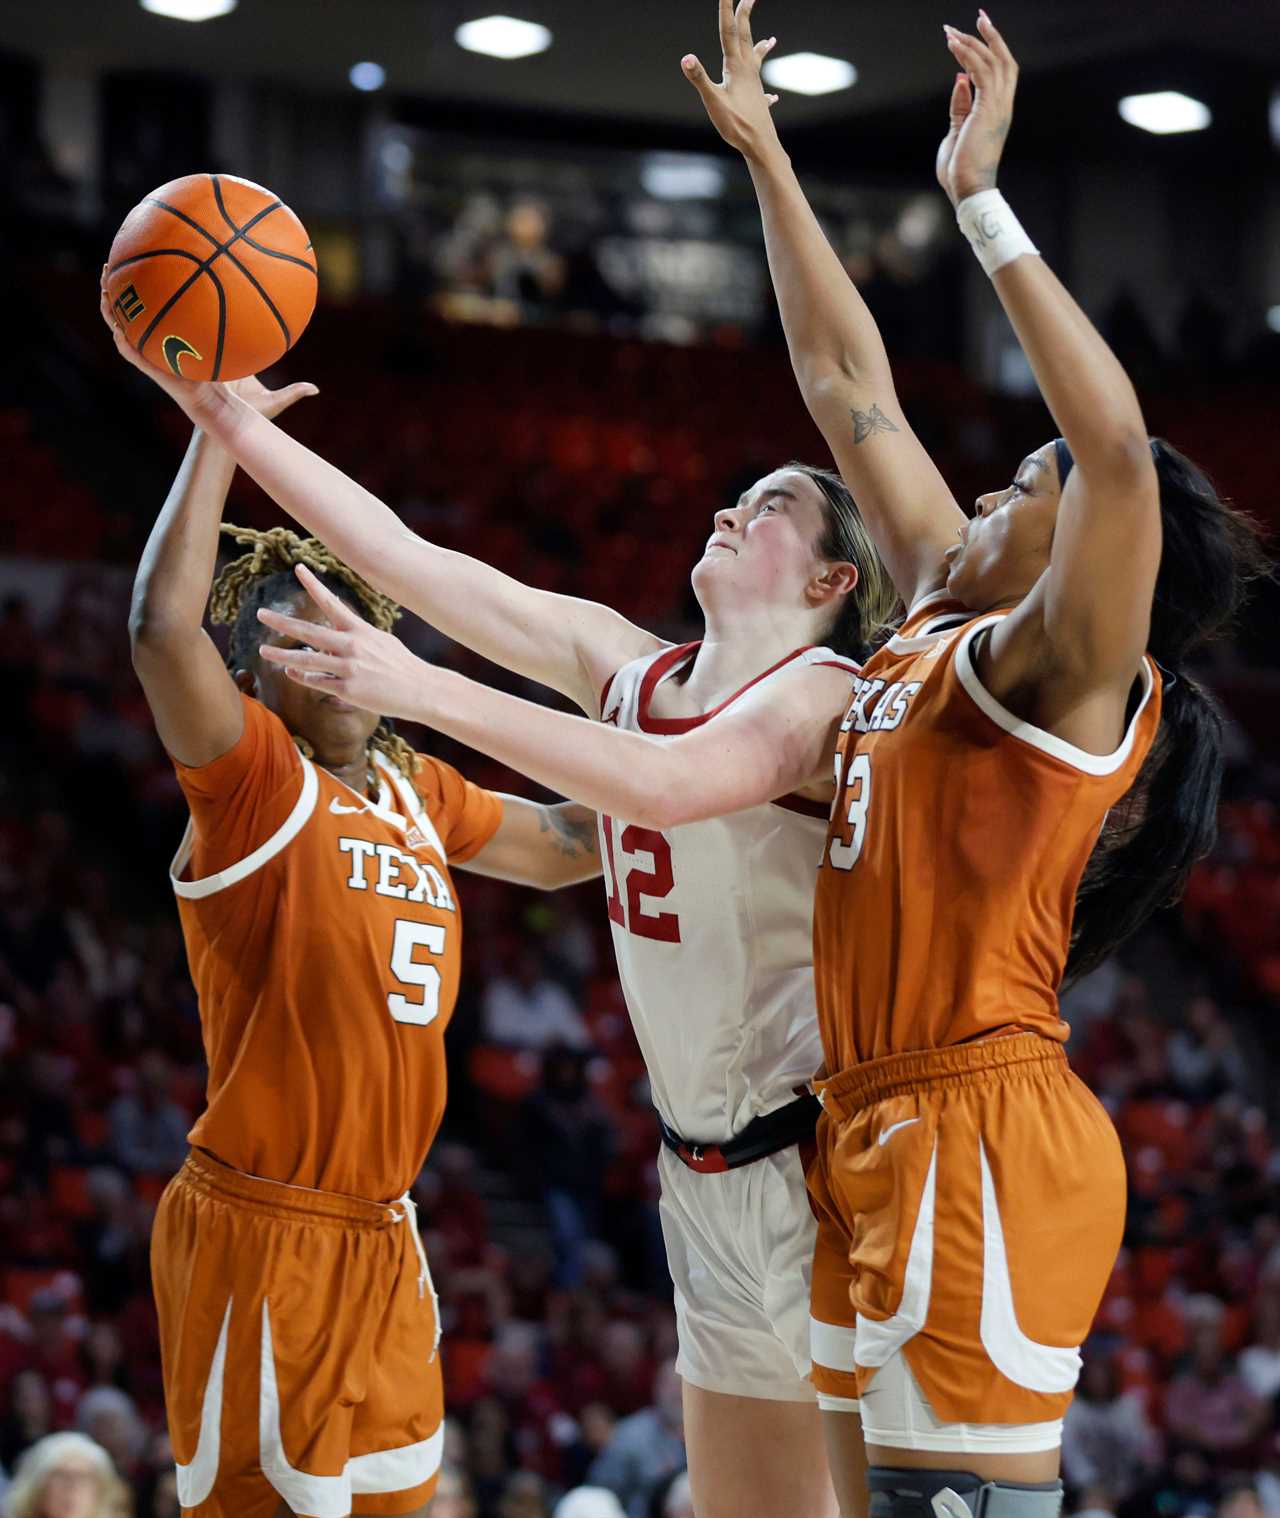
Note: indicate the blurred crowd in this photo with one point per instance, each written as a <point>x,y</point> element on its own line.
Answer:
<point>570,462</point>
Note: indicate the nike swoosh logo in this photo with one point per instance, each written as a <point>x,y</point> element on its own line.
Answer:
<point>889,1132</point>
<point>336,806</point>
<point>175,349</point>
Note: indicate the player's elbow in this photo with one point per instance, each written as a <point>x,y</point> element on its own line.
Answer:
<point>1120,463</point>
<point>153,629</point>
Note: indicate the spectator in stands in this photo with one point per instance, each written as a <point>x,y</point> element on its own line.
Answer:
<point>525,268</point>
<point>66,1476</point>
<point>108,1416</point>
<point>524,1496</point>
<point>1205,1058</point>
<point>102,1355</point>
<point>568,1144</point>
<point>1260,1363</point>
<point>514,1381</point>
<point>678,1502</point>
<point>44,1342</point>
<point>158,1493</point>
<point>112,1242</point>
<point>29,1416</point>
<point>1209,1407</point>
<point>589,1502</point>
<point>50,1116</point>
<point>148,1129</point>
<point>1108,1447</point>
<point>1241,1502</point>
<point>646,1448</point>
<point>526,1009</point>
<point>454,1497</point>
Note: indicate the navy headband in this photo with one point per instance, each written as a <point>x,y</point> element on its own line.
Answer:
<point>1062,452</point>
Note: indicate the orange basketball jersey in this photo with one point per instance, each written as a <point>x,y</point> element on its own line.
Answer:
<point>324,940</point>
<point>957,839</point>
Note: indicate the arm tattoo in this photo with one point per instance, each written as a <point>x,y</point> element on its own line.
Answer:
<point>867,423</point>
<point>576,838</point>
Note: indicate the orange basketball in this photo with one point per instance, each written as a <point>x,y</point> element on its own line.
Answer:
<point>212,276</point>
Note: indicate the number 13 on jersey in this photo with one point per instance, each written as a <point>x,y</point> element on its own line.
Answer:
<point>857,798</point>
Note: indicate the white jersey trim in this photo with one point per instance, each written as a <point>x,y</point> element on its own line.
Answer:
<point>1036,737</point>
<point>945,621</point>
<point>196,890</point>
<point>412,804</point>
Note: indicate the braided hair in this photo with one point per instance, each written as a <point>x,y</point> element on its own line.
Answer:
<point>265,574</point>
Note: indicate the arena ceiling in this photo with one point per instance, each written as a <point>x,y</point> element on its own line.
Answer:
<point>620,61</point>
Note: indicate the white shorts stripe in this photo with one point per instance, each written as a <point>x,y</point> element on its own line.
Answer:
<point>195,1481</point>
<point>831,1345</point>
<point>391,1470</point>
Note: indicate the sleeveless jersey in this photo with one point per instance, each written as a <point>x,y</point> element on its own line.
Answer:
<point>957,840</point>
<point>713,930</point>
<point>324,939</point>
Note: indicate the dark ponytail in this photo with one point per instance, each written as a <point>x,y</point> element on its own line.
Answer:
<point>1168,820</point>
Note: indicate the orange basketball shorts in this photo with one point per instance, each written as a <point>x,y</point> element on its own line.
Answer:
<point>298,1341</point>
<point>970,1205</point>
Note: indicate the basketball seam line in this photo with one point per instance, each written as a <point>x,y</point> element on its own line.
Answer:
<point>240,232</point>
<point>219,249</point>
<point>256,246</point>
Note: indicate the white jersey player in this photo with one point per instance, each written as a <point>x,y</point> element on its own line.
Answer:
<point>712,927</point>
<point>788,568</point>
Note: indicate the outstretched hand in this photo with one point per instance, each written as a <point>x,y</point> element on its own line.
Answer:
<point>738,106</point>
<point>981,110</point>
<point>349,658</point>
<point>196,397</point>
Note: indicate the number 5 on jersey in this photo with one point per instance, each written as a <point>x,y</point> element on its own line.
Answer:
<point>409,971</point>
<point>844,855</point>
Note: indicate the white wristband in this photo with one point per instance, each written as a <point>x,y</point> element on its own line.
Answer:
<point>995,234</point>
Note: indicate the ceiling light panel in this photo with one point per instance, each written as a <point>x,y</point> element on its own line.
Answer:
<point>189,10</point>
<point>1165,111</point>
<point>810,73</point>
<point>503,37</point>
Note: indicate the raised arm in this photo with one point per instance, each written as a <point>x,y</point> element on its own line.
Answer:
<point>836,350</point>
<point>766,745</point>
<point>192,696</point>
<point>569,644</point>
<point>1085,625</point>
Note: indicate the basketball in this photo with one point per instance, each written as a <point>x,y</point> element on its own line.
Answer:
<point>212,277</point>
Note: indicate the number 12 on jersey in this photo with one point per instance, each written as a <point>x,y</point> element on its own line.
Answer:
<point>651,883</point>
<point>858,798</point>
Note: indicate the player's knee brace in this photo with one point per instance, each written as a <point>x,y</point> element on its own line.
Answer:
<point>897,1493</point>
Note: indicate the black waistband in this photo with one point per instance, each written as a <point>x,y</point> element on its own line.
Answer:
<point>762,1136</point>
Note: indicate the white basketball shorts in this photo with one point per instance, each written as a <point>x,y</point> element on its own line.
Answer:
<point>740,1250</point>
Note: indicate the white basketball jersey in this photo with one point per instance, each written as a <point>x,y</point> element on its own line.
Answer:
<point>713,928</point>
